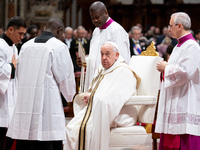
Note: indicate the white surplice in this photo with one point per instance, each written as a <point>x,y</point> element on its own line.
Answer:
<point>7,85</point>
<point>115,33</point>
<point>43,71</point>
<point>113,91</point>
<point>179,104</point>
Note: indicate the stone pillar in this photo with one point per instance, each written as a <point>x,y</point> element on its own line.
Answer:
<point>68,17</point>
<point>22,5</point>
<point>74,10</point>
<point>10,9</point>
<point>80,16</point>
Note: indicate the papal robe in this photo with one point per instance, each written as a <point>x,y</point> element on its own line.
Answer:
<point>111,89</point>
<point>44,70</point>
<point>179,103</point>
<point>7,84</point>
<point>112,31</point>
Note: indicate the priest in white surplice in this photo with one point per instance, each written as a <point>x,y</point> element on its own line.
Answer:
<point>44,70</point>
<point>106,30</point>
<point>15,30</point>
<point>179,104</point>
<point>113,84</point>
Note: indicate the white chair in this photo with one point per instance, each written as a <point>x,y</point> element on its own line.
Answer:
<point>143,104</point>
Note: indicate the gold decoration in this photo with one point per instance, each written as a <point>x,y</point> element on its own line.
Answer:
<point>84,64</point>
<point>150,51</point>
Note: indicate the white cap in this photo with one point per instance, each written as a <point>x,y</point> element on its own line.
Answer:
<point>113,44</point>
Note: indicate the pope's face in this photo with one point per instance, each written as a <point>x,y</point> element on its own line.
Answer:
<point>108,56</point>
<point>99,18</point>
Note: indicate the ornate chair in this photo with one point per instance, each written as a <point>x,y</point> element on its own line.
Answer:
<point>143,105</point>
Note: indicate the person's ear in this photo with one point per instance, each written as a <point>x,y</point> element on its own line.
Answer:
<point>60,30</point>
<point>180,26</point>
<point>10,29</point>
<point>117,55</point>
<point>106,12</point>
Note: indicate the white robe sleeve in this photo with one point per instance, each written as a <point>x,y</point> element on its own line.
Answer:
<point>120,37</point>
<point>64,73</point>
<point>186,67</point>
<point>5,72</point>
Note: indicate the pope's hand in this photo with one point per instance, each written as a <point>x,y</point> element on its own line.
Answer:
<point>86,98</point>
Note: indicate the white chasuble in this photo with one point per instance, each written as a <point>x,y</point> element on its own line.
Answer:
<point>179,104</point>
<point>90,128</point>
<point>115,33</point>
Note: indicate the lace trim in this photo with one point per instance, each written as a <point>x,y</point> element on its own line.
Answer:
<point>172,77</point>
<point>182,118</point>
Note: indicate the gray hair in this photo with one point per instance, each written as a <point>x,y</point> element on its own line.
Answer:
<point>114,45</point>
<point>80,28</point>
<point>135,28</point>
<point>68,28</point>
<point>183,18</point>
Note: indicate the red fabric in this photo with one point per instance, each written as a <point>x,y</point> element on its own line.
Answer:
<point>179,142</point>
<point>171,142</point>
<point>14,145</point>
<point>140,124</point>
<point>163,77</point>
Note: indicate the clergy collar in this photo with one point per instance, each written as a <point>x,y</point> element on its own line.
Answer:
<point>44,37</point>
<point>108,22</point>
<point>184,38</point>
<point>7,39</point>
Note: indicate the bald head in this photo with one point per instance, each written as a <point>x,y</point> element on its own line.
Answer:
<point>55,26</point>
<point>98,6</point>
<point>98,13</point>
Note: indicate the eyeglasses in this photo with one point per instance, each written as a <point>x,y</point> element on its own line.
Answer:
<point>170,26</point>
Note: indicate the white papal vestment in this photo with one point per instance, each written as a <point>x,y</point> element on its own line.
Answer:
<point>44,70</point>
<point>115,33</point>
<point>178,110</point>
<point>112,89</point>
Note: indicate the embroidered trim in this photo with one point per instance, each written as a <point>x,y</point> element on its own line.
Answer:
<point>182,118</point>
<point>82,130</point>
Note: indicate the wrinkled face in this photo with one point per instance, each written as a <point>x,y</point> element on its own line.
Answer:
<point>99,18</point>
<point>68,34</point>
<point>16,35</point>
<point>173,28</point>
<point>81,33</point>
<point>108,56</point>
<point>136,35</point>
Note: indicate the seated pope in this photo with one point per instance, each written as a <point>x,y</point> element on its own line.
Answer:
<point>99,109</point>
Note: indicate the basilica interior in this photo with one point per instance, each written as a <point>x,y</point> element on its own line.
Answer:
<point>76,12</point>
